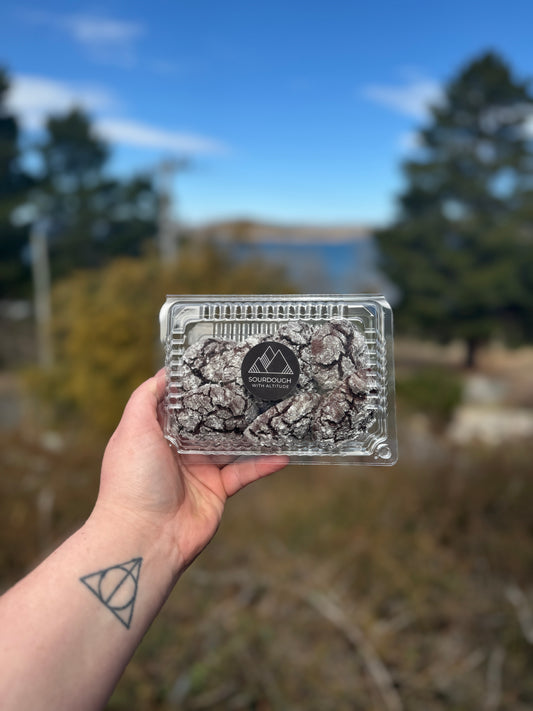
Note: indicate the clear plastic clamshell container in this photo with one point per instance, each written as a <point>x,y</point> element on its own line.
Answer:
<point>309,376</point>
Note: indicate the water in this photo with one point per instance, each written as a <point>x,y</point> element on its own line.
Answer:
<point>322,267</point>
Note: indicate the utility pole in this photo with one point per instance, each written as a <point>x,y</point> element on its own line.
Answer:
<point>41,293</point>
<point>168,228</point>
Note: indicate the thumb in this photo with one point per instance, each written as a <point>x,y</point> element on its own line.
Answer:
<point>140,413</point>
<point>241,472</point>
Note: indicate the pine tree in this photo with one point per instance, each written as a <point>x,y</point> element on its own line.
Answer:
<point>460,247</point>
<point>91,217</point>
<point>15,277</point>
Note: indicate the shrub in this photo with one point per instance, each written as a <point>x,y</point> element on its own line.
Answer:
<point>105,326</point>
<point>435,392</point>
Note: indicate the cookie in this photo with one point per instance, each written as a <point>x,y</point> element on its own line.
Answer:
<point>285,423</point>
<point>214,360</point>
<point>337,349</point>
<point>215,408</point>
<point>345,410</point>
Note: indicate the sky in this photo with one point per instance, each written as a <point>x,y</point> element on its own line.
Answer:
<point>283,111</point>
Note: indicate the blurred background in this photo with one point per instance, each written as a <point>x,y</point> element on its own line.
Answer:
<point>240,147</point>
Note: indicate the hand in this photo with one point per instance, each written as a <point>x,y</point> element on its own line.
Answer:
<point>147,483</point>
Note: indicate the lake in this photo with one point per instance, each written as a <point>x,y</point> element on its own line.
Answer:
<point>321,267</point>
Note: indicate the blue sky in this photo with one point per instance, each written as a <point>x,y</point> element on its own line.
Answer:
<point>288,111</point>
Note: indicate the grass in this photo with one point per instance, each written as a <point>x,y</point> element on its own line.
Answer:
<point>324,589</point>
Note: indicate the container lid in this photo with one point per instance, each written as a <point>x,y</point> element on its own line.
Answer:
<point>310,376</point>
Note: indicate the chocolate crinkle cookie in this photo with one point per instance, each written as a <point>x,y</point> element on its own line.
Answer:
<point>344,410</point>
<point>215,408</point>
<point>213,360</point>
<point>287,422</point>
<point>332,402</point>
<point>336,351</point>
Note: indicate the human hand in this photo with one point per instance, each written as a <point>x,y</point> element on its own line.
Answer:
<point>146,483</point>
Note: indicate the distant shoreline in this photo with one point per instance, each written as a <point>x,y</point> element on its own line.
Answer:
<point>258,233</point>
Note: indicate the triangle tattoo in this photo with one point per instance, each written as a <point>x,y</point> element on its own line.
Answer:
<point>116,588</point>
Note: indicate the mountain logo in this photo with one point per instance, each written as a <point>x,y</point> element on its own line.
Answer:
<point>271,362</point>
<point>270,371</point>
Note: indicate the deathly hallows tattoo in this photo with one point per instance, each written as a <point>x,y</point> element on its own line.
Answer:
<point>116,588</point>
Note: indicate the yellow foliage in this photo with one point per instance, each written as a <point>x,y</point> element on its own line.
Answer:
<point>106,325</point>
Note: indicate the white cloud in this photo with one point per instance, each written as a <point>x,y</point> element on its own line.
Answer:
<point>106,39</point>
<point>34,98</point>
<point>412,99</point>
<point>95,31</point>
<point>135,133</point>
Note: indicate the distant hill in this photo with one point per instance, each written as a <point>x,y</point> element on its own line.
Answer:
<point>248,231</point>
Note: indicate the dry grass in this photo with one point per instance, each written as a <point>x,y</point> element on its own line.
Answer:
<point>371,589</point>
<point>402,588</point>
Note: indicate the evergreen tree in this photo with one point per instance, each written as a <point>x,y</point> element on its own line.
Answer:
<point>14,184</point>
<point>91,217</point>
<point>460,247</point>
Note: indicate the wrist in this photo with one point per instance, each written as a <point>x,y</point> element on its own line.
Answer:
<point>130,535</point>
<point>85,609</point>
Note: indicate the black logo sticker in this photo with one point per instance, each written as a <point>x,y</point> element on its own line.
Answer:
<point>270,371</point>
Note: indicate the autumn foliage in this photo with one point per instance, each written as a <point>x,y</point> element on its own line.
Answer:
<point>106,327</point>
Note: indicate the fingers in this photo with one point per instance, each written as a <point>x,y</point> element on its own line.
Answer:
<point>222,460</point>
<point>141,410</point>
<point>160,384</point>
<point>242,472</point>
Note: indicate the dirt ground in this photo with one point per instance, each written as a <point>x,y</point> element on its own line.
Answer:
<point>511,368</point>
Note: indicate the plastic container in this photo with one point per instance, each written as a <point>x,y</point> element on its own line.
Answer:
<point>309,376</point>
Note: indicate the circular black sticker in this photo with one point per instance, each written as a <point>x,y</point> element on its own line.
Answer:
<point>270,371</point>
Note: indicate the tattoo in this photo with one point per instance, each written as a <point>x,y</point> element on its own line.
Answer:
<point>116,588</point>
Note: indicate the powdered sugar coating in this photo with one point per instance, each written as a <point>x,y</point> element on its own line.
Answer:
<point>214,360</point>
<point>336,350</point>
<point>344,411</point>
<point>332,402</point>
<point>215,408</point>
<point>286,422</point>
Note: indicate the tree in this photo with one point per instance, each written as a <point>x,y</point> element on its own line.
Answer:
<point>14,185</point>
<point>463,237</point>
<point>91,217</point>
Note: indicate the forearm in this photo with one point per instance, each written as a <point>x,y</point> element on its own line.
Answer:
<point>70,627</point>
